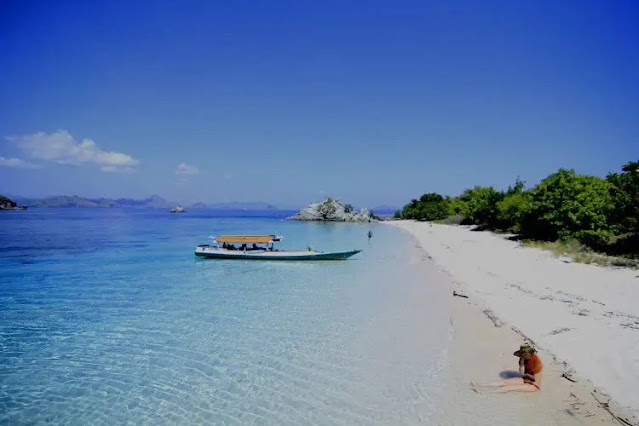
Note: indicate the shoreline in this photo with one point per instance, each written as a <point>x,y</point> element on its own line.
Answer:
<point>494,320</point>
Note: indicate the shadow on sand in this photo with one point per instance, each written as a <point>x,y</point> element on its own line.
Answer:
<point>509,374</point>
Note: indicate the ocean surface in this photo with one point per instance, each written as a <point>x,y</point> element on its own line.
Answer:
<point>107,317</point>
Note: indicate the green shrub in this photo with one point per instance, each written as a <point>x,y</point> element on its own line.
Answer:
<point>625,193</point>
<point>457,206</point>
<point>512,210</point>
<point>481,205</point>
<point>430,206</point>
<point>567,205</point>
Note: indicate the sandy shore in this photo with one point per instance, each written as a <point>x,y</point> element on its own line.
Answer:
<point>583,319</point>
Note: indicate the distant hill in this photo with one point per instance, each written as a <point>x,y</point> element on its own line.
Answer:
<point>153,202</point>
<point>7,203</point>
<point>240,205</point>
<point>385,207</point>
<point>60,201</point>
<point>74,201</point>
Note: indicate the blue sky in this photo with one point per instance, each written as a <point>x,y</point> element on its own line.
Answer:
<point>285,102</point>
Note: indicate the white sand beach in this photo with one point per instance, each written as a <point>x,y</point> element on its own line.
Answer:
<point>584,320</point>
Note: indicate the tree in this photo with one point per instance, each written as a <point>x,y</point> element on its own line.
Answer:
<point>410,210</point>
<point>512,209</point>
<point>625,194</point>
<point>517,189</point>
<point>566,205</point>
<point>457,206</point>
<point>481,203</point>
<point>431,206</point>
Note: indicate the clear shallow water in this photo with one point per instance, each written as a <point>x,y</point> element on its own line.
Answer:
<point>106,316</point>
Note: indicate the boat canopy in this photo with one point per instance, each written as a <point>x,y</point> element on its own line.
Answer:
<point>247,239</point>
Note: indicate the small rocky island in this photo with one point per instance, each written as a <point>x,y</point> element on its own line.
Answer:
<point>333,210</point>
<point>8,204</point>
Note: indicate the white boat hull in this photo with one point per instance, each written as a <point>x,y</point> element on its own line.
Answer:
<point>221,253</point>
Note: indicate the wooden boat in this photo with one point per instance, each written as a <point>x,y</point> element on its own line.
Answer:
<point>261,247</point>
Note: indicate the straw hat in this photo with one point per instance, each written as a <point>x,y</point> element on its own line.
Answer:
<point>524,349</point>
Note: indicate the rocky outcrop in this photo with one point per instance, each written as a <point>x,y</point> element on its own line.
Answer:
<point>8,204</point>
<point>332,210</point>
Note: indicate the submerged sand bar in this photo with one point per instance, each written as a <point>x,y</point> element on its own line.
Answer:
<point>586,316</point>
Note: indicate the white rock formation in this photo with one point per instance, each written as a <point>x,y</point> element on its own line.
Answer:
<point>334,210</point>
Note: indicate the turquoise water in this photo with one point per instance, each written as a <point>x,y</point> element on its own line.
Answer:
<point>107,317</point>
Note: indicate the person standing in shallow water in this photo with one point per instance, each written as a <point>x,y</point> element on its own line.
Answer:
<point>530,368</point>
<point>370,234</point>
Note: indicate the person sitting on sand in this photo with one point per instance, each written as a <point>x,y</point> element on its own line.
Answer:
<point>530,368</point>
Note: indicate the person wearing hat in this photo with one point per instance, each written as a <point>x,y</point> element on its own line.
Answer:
<point>530,367</point>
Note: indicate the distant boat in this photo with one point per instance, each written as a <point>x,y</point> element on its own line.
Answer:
<point>261,248</point>
<point>178,209</point>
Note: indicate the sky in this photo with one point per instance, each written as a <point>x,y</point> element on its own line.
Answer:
<point>287,102</point>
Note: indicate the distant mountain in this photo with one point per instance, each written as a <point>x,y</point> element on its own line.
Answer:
<point>8,204</point>
<point>153,202</point>
<point>385,207</point>
<point>61,201</point>
<point>74,201</point>
<point>239,205</point>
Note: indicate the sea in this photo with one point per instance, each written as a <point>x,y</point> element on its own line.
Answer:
<point>107,317</point>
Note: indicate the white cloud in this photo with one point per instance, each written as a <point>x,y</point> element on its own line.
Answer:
<point>17,163</point>
<point>60,147</point>
<point>186,169</point>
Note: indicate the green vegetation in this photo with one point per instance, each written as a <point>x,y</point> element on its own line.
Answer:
<point>566,205</point>
<point>591,219</point>
<point>481,205</point>
<point>625,194</point>
<point>429,207</point>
